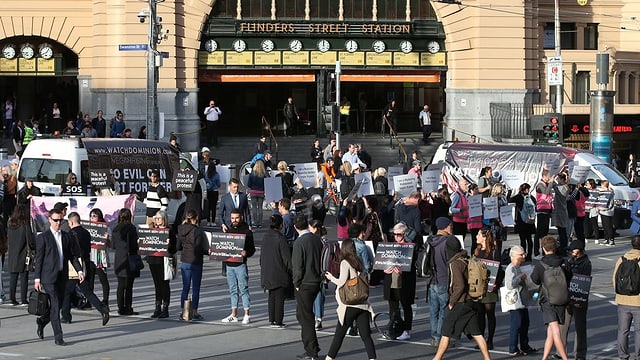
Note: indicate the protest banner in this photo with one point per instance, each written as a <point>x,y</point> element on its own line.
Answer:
<point>366,185</point>
<point>579,288</point>
<point>405,184</point>
<point>153,242</point>
<point>99,233</point>
<point>184,180</point>
<point>490,205</point>
<point>394,254</point>
<point>579,174</point>
<point>475,205</point>
<point>431,181</point>
<point>273,189</point>
<point>225,246</point>
<point>307,172</point>
<point>493,267</point>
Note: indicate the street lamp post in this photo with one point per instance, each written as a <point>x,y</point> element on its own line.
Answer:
<point>155,35</point>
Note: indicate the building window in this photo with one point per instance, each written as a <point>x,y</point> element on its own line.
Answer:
<point>568,36</point>
<point>224,8</point>
<point>390,10</point>
<point>323,9</point>
<point>581,87</point>
<point>591,37</point>
<point>422,10</point>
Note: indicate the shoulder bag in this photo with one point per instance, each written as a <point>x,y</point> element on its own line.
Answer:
<point>510,299</point>
<point>354,291</point>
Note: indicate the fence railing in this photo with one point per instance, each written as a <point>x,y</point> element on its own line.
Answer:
<point>513,120</point>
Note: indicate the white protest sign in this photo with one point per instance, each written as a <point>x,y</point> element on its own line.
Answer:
<point>556,167</point>
<point>506,215</point>
<point>475,205</point>
<point>570,165</point>
<point>224,172</point>
<point>273,189</point>
<point>490,207</point>
<point>579,174</point>
<point>430,181</point>
<point>391,172</point>
<point>405,184</point>
<point>366,185</point>
<point>512,178</point>
<point>306,172</point>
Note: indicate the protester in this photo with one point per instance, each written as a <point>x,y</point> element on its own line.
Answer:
<point>157,267</point>
<point>486,249</point>
<point>100,258</point>
<point>437,290</point>
<point>628,306</point>
<point>125,242</point>
<point>275,270</point>
<point>21,243</point>
<point>544,204</point>
<point>459,209</point>
<point>525,227</point>
<point>606,210</point>
<point>193,246</point>
<point>515,278</point>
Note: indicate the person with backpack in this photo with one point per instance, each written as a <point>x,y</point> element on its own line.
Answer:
<point>579,263</point>
<point>544,204</point>
<point>437,285</point>
<point>627,299</point>
<point>463,311</point>
<point>525,218</point>
<point>400,286</point>
<point>552,273</point>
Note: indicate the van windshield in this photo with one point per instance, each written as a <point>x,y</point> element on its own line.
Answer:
<point>45,170</point>
<point>614,176</point>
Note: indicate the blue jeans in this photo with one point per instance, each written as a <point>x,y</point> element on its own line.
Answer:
<point>191,273</point>
<point>626,314</point>
<point>438,302</point>
<point>238,281</point>
<point>318,303</point>
<point>518,332</point>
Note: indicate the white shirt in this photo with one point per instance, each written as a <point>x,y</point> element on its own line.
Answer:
<point>425,117</point>
<point>58,236</point>
<point>352,158</point>
<point>212,113</point>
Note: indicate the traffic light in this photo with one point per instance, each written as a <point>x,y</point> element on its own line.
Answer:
<point>552,128</point>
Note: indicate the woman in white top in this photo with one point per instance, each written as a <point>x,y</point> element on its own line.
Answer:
<point>350,267</point>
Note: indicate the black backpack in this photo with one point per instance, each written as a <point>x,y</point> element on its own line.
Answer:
<point>425,261</point>
<point>554,285</point>
<point>628,277</point>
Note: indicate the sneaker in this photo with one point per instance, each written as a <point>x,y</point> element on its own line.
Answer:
<point>404,336</point>
<point>197,317</point>
<point>230,319</point>
<point>604,243</point>
<point>318,325</point>
<point>278,326</point>
<point>435,343</point>
<point>611,243</point>
<point>246,320</point>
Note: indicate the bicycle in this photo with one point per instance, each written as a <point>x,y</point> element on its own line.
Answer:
<point>331,199</point>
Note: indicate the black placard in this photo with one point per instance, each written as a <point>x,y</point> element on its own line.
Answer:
<point>99,233</point>
<point>71,190</point>
<point>579,288</point>
<point>394,254</point>
<point>153,242</point>
<point>184,180</point>
<point>493,267</point>
<point>99,177</point>
<point>225,246</point>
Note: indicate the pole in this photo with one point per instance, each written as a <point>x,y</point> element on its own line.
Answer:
<point>559,95</point>
<point>152,75</point>
<point>337,131</point>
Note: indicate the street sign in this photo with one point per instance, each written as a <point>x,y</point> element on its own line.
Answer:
<point>132,47</point>
<point>554,70</point>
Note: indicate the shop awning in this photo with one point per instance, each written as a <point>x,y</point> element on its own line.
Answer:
<point>424,78</point>
<point>256,78</point>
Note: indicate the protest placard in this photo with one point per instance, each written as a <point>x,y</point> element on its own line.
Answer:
<point>391,172</point>
<point>405,184</point>
<point>475,205</point>
<point>99,177</point>
<point>366,185</point>
<point>184,180</point>
<point>153,242</point>
<point>430,181</point>
<point>273,189</point>
<point>394,254</point>
<point>225,246</point>
<point>224,172</point>
<point>579,288</point>
<point>512,178</point>
<point>493,267</point>
<point>579,174</point>
<point>307,172</point>
<point>71,190</point>
<point>490,205</point>
<point>506,214</point>
<point>99,233</point>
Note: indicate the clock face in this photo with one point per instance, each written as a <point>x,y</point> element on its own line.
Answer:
<point>433,47</point>
<point>295,45</point>
<point>267,45</point>
<point>406,46</point>
<point>324,45</point>
<point>27,51</point>
<point>46,52</point>
<point>351,45</point>
<point>211,45</point>
<point>379,46</point>
<point>9,51</point>
<point>239,45</point>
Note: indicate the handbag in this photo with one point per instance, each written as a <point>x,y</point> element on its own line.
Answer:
<point>135,263</point>
<point>169,267</point>
<point>354,291</point>
<point>30,260</point>
<point>510,299</point>
<point>38,303</point>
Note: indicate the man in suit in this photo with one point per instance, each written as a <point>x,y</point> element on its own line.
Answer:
<point>307,278</point>
<point>234,199</point>
<point>54,249</point>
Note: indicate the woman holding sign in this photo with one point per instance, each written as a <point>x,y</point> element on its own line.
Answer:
<point>125,241</point>
<point>486,249</point>
<point>100,258</point>
<point>156,266</point>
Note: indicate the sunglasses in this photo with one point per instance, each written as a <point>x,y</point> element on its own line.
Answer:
<point>74,178</point>
<point>394,234</point>
<point>56,220</point>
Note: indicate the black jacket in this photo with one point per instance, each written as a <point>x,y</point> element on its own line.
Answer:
<point>125,241</point>
<point>193,244</point>
<point>305,261</point>
<point>275,261</point>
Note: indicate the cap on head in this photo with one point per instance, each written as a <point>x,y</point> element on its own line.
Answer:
<point>204,149</point>
<point>60,206</point>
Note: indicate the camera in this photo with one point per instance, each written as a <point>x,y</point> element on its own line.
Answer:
<point>142,15</point>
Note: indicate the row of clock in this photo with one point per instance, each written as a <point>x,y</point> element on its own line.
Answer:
<point>27,51</point>
<point>295,45</point>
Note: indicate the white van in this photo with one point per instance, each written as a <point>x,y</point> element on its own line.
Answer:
<point>50,160</point>
<point>469,158</point>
